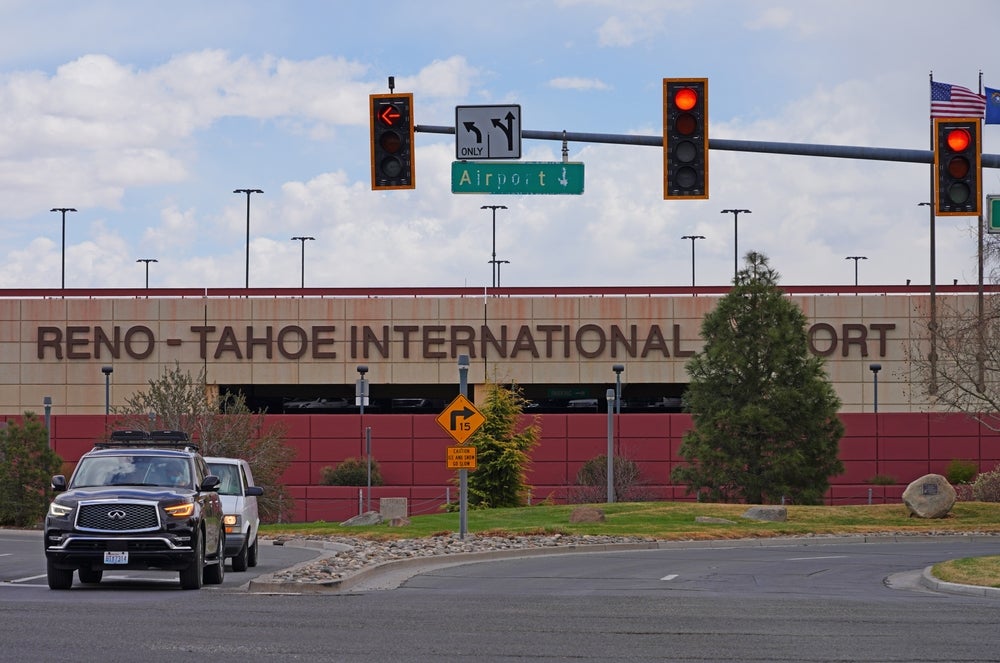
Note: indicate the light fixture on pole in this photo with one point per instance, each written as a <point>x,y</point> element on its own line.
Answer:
<point>692,238</point>
<point>494,208</point>
<point>248,192</point>
<point>856,259</point>
<point>875,368</point>
<point>107,370</point>
<point>736,236</point>
<point>47,404</point>
<point>618,368</point>
<point>463,474</point>
<point>362,396</point>
<point>147,261</point>
<point>63,210</point>
<point>497,264</point>
<point>303,240</point>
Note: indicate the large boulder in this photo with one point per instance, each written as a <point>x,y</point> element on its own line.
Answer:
<point>930,496</point>
<point>769,513</point>
<point>586,514</point>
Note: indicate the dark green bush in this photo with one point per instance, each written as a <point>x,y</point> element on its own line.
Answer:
<point>26,468</point>
<point>351,472</point>
<point>961,471</point>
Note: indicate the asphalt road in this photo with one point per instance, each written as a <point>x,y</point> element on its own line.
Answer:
<point>832,602</point>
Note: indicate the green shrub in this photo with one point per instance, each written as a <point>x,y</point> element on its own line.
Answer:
<point>986,487</point>
<point>26,468</point>
<point>351,472</point>
<point>882,480</point>
<point>961,471</point>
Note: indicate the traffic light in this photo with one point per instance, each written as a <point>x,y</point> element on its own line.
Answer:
<point>958,189</point>
<point>392,141</point>
<point>685,138</point>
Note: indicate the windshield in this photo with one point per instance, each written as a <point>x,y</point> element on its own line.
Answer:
<point>132,470</point>
<point>229,476</point>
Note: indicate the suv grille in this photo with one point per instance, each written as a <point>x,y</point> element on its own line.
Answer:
<point>118,517</point>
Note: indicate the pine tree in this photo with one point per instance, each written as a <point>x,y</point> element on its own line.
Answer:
<point>502,448</point>
<point>764,411</point>
<point>26,468</point>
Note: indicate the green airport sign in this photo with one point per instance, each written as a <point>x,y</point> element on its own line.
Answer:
<point>517,177</point>
<point>993,213</point>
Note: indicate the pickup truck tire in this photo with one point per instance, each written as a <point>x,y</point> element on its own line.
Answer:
<point>90,576</point>
<point>252,554</point>
<point>240,559</point>
<point>59,578</point>
<point>193,576</point>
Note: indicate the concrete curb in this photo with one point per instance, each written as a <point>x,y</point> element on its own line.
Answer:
<point>406,568</point>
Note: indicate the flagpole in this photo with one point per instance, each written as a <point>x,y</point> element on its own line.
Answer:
<point>932,357</point>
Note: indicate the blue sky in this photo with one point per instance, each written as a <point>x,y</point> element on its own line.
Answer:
<point>145,116</point>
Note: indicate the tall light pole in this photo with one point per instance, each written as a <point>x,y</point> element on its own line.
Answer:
<point>147,261</point>
<point>63,210</point>
<point>736,236</point>
<point>856,259</point>
<point>494,208</point>
<point>248,192</point>
<point>303,240</point>
<point>497,264</point>
<point>107,370</point>
<point>618,368</point>
<point>875,368</point>
<point>610,395</point>
<point>692,238</point>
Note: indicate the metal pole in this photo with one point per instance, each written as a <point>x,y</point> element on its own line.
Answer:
<point>494,260</point>
<point>303,240</point>
<point>463,475</point>
<point>618,368</point>
<point>856,259</point>
<point>47,403</point>
<point>107,370</point>
<point>248,192</point>
<point>610,394</point>
<point>692,238</point>
<point>63,210</point>
<point>736,237</point>
<point>147,261</point>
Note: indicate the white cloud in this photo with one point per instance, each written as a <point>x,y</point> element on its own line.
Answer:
<point>578,83</point>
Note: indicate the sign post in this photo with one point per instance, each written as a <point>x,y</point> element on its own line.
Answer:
<point>460,420</point>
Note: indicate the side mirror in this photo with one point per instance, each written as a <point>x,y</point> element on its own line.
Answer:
<point>210,484</point>
<point>254,491</point>
<point>59,483</point>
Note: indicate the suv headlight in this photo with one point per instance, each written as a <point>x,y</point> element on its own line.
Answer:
<point>184,510</point>
<point>57,510</point>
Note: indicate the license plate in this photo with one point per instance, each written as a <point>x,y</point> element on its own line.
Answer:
<point>116,558</point>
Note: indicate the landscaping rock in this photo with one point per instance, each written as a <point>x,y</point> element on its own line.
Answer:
<point>586,514</point>
<point>769,513</point>
<point>366,518</point>
<point>930,496</point>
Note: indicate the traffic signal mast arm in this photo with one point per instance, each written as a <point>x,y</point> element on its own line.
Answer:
<point>728,145</point>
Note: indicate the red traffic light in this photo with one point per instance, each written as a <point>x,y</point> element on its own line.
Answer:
<point>392,149</point>
<point>958,140</point>
<point>389,115</point>
<point>685,98</point>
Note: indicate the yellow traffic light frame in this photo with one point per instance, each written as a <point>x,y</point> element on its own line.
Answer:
<point>379,101</point>
<point>974,126</point>
<point>669,192</point>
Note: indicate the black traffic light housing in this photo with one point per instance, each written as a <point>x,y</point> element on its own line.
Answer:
<point>958,168</point>
<point>392,141</point>
<point>685,138</point>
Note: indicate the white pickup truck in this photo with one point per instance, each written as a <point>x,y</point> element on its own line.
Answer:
<point>239,506</point>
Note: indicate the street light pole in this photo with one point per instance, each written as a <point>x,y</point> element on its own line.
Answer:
<point>303,240</point>
<point>248,192</point>
<point>147,261</point>
<point>856,259</point>
<point>63,210</point>
<point>692,238</point>
<point>107,370</point>
<point>736,236</point>
<point>494,208</point>
<point>498,263</point>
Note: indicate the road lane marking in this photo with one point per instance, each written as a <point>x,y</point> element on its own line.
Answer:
<point>800,559</point>
<point>669,577</point>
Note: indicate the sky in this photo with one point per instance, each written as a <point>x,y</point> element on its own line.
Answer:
<point>145,116</point>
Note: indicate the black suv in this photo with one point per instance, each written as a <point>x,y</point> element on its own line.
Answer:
<point>138,501</point>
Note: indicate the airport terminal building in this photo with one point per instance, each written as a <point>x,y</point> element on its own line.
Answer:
<point>296,353</point>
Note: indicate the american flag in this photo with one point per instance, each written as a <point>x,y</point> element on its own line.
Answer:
<point>955,101</point>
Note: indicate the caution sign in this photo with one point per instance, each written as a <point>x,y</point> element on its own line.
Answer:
<point>461,458</point>
<point>460,419</point>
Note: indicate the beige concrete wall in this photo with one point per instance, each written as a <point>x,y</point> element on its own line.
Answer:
<point>56,347</point>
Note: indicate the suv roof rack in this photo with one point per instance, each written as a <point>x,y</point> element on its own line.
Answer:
<point>170,439</point>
